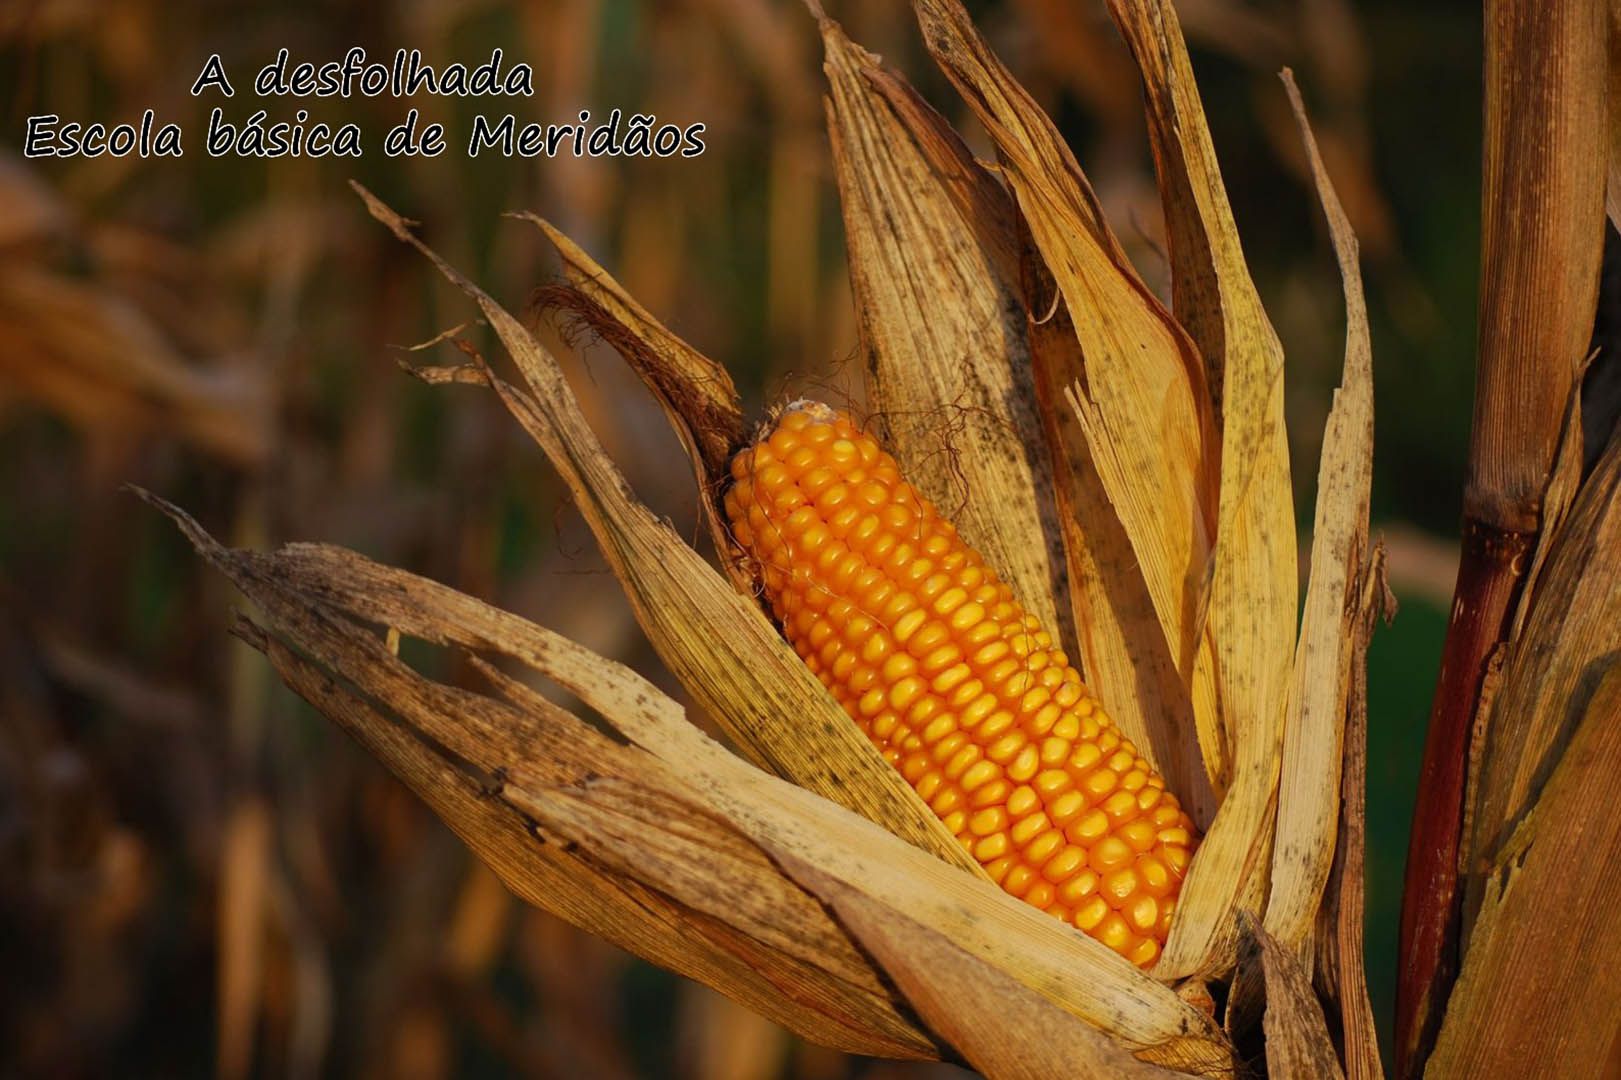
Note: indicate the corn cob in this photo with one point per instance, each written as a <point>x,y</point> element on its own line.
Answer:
<point>960,689</point>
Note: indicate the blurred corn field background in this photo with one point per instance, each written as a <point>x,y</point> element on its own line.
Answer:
<point>197,872</point>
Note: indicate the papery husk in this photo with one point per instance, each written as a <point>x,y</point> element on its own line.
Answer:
<point>983,202</point>
<point>1212,293</point>
<point>1315,883</point>
<point>696,393</point>
<point>685,853</point>
<point>1122,652</point>
<point>1314,729</point>
<point>1253,584</point>
<point>1297,1041</point>
<point>1142,398</point>
<point>472,759</point>
<point>1141,401</point>
<point>942,340</point>
<point>1126,658</point>
<point>1564,484</point>
<point>1341,976</point>
<point>1252,589</point>
<point>715,640</point>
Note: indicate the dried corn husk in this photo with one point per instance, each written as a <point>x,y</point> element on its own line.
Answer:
<point>1138,395</point>
<point>680,850</point>
<point>1313,738</point>
<point>696,393</point>
<point>715,640</point>
<point>1297,1042</point>
<point>1252,585</point>
<point>1124,654</point>
<point>949,383</point>
<point>1142,405</point>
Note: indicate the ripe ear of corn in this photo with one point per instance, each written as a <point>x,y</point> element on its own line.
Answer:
<point>961,690</point>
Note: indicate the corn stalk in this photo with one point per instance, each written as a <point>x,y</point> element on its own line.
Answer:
<point>1542,231</point>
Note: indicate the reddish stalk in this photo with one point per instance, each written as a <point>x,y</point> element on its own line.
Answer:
<point>1542,221</point>
<point>1489,577</point>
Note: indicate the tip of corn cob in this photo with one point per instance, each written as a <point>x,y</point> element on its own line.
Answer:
<point>958,687</point>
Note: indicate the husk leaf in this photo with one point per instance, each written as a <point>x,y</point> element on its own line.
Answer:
<point>1142,404</point>
<point>478,762</point>
<point>982,200</point>
<point>1314,730</point>
<point>715,640</point>
<point>1297,1042</point>
<point>1341,974</point>
<point>1122,651</point>
<point>1035,1039</point>
<point>1253,575</point>
<point>1125,656</point>
<point>683,851</point>
<point>942,336</point>
<point>695,392</point>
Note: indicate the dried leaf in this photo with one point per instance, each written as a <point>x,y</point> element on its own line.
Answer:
<point>672,845</point>
<point>1123,654</point>
<point>478,761</point>
<point>1546,929</point>
<point>1340,950</point>
<point>942,333</point>
<point>1211,287</point>
<point>1314,731</point>
<point>696,391</point>
<point>1141,401</point>
<point>1564,482</point>
<point>1126,658</point>
<point>1253,587</point>
<point>1253,574</point>
<point>1297,1042</point>
<point>1030,1038</point>
<point>717,642</point>
<point>981,200</point>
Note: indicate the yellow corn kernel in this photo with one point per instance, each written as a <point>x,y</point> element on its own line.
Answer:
<point>929,653</point>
